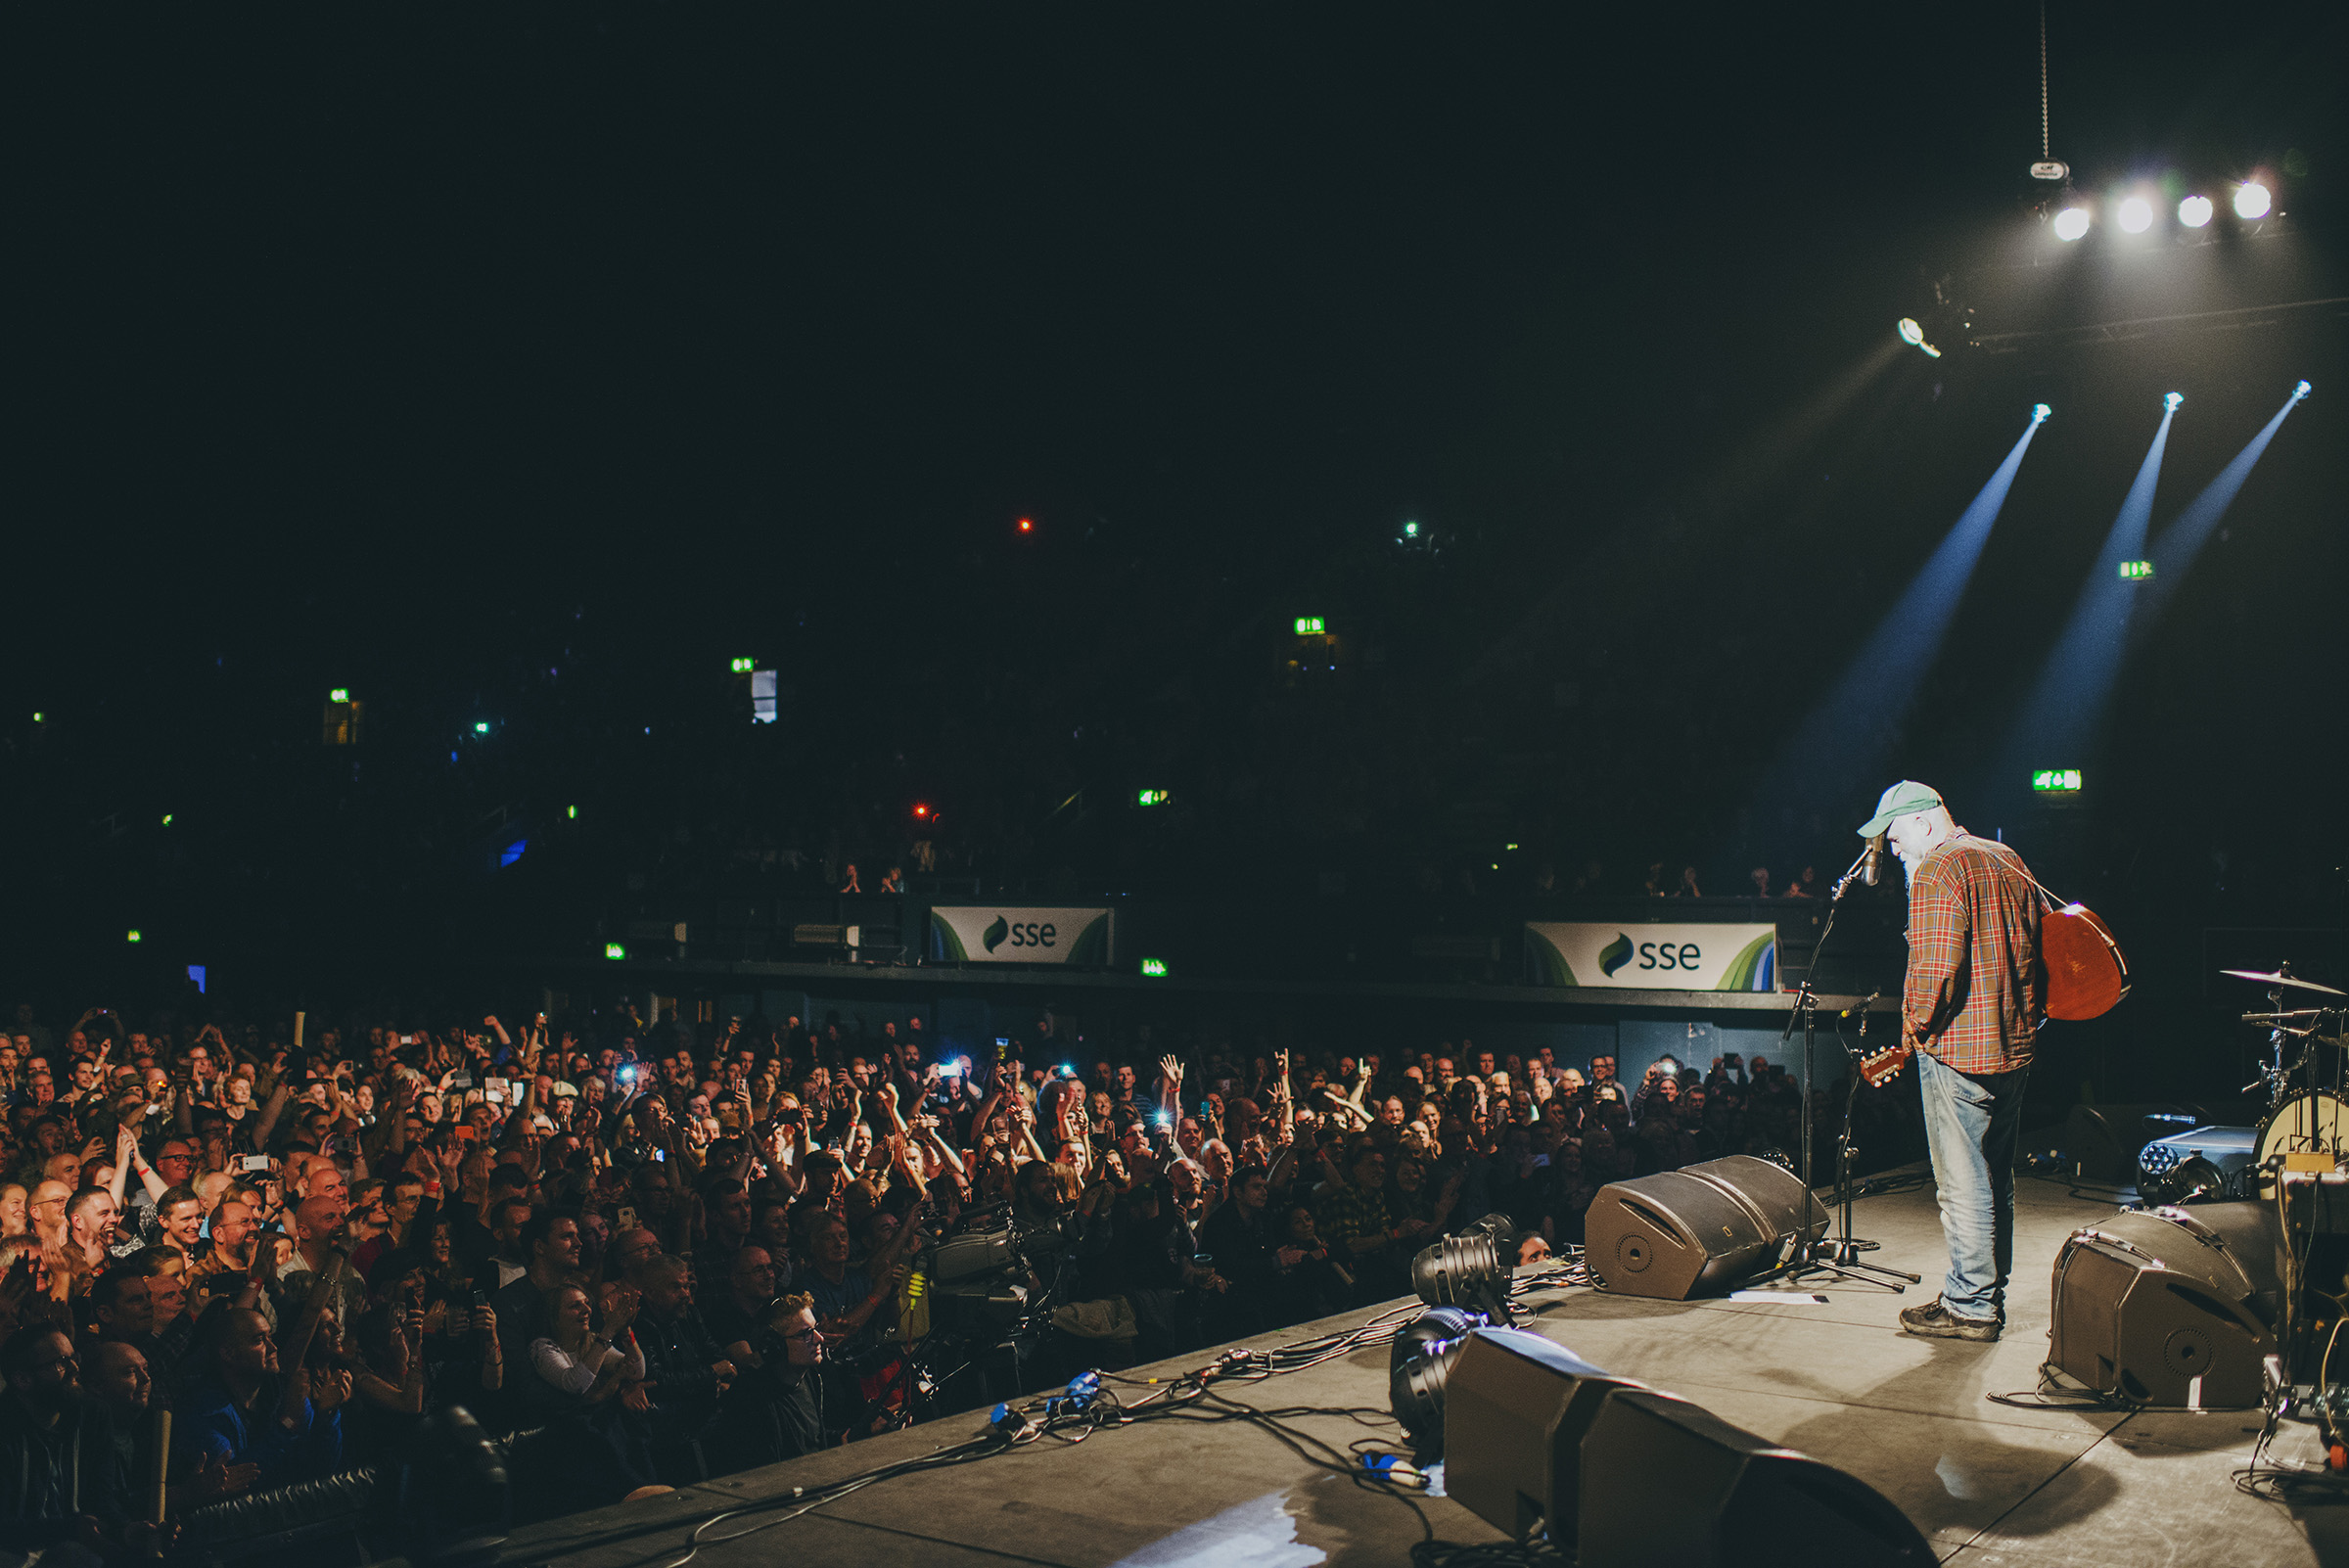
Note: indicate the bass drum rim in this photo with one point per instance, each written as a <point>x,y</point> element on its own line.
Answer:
<point>2279,1124</point>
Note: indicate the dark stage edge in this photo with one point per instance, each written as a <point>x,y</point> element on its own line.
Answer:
<point>1990,1486</point>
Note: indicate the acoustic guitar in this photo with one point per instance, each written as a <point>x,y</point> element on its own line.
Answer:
<point>2087,975</point>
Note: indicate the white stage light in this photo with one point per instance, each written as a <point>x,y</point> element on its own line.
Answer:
<point>2252,201</point>
<point>2195,212</point>
<point>2071,223</point>
<point>2135,215</point>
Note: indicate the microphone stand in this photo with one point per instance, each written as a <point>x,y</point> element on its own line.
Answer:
<point>1843,1251</point>
<point>1837,1256</point>
<point>1806,1003</point>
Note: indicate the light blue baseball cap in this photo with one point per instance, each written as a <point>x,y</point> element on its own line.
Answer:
<point>1904,799</point>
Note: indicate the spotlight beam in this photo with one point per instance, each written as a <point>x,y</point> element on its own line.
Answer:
<point>1846,732</point>
<point>2066,705</point>
<point>2175,550</point>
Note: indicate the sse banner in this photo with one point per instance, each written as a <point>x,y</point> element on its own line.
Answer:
<point>1690,957</point>
<point>991,933</point>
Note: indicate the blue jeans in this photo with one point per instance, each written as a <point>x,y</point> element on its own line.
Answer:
<point>1972,1125</point>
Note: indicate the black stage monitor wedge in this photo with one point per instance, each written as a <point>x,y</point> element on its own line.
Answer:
<point>1698,1231</point>
<point>2171,1307</point>
<point>1515,1408</point>
<point>1668,1485</point>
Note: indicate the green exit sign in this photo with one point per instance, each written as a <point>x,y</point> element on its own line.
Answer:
<point>2057,781</point>
<point>1155,968</point>
<point>2135,571</point>
<point>614,949</point>
<point>1309,626</point>
<point>1152,797</point>
<point>743,667</point>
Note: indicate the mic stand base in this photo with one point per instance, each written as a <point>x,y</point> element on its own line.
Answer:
<point>1832,1257</point>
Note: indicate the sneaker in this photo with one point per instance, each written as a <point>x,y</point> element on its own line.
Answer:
<point>1933,1320</point>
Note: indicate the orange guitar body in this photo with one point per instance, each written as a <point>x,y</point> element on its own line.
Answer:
<point>2087,972</point>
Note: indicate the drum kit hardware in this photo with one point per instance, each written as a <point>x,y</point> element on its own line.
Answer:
<point>2307,1122</point>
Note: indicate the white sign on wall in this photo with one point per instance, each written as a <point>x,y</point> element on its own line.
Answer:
<point>1653,957</point>
<point>1002,934</point>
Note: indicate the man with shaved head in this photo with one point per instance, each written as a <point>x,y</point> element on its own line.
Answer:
<point>317,1228</point>
<point>46,1212</point>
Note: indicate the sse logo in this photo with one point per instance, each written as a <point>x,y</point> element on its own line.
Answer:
<point>1651,954</point>
<point>1027,933</point>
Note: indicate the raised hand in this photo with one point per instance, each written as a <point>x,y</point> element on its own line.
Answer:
<point>215,1477</point>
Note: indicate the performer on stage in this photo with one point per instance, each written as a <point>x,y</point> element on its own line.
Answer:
<point>1973,1004</point>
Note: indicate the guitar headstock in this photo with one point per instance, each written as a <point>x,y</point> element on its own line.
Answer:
<point>1881,1067</point>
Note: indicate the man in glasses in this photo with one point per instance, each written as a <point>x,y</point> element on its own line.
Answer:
<point>46,1493</point>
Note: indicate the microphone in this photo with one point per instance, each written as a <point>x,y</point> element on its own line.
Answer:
<point>1871,866</point>
<point>1862,1008</point>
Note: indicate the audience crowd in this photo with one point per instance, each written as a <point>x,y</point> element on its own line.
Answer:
<point>656,1254</point>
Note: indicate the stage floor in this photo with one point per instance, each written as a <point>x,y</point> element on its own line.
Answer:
<point>1992,1487</point>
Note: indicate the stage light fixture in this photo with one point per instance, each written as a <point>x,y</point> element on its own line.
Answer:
<point>1026,524</point>
<point>2171,400</point>
<point>2135,215</point>
<point>1471,1269</point>
<point>1420,1362</point>
<point>2071,223</point>
<point>1914,334</point>
<point>1410,530</point>
<point>2252,201</point>
<point>2195,212</point>
<point>2039,412</point>
<point>2302,391</point>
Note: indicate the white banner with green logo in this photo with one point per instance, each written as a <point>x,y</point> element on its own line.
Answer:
<point>1002,934</point>
<point>1653,957</point>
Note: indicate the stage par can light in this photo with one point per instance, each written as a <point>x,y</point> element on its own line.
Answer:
<point>2171,400</point>
<point>2135,215</point>
<point>1471,1270</point>
<point>1419,1363</point>
<point>2303,389</point>
<point>2039,411</point>
<point>2252,201</point>
<point>2195,212</point>
<point>2071,223</point>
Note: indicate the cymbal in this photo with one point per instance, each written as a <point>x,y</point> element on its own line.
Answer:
<point>2293,981</point>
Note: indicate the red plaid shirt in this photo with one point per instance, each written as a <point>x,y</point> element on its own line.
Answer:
<point>1976,988</point>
